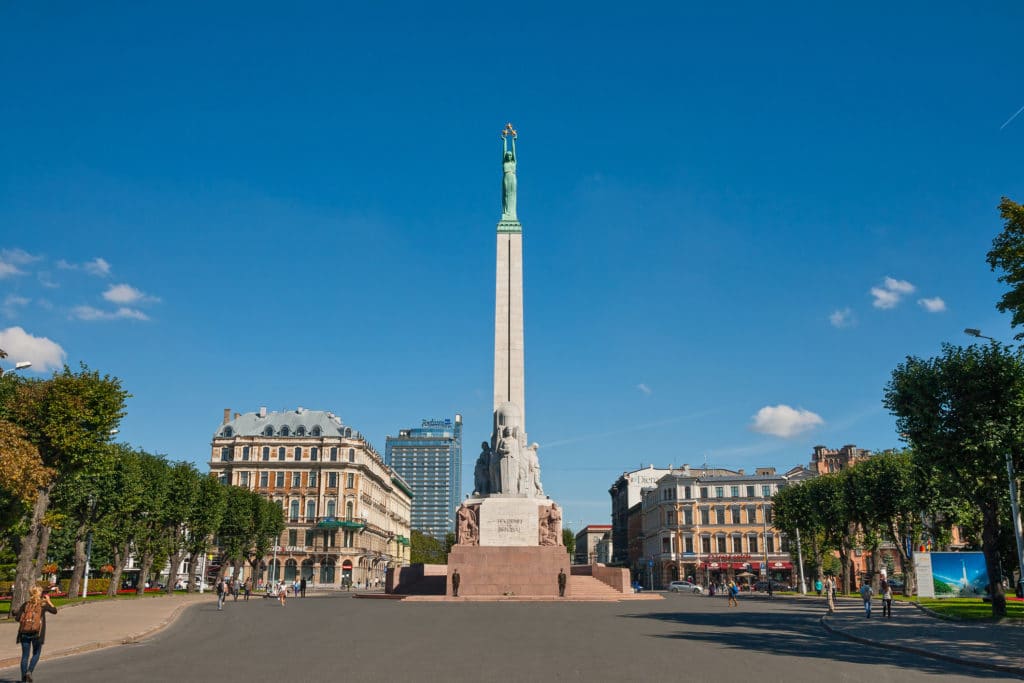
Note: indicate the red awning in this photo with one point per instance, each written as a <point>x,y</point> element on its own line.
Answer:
<point>740,565</point>
<point>780,565</point>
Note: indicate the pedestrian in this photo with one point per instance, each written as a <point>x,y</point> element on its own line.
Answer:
<point>282,594</point>
<point>818,586</point>
<point>247,587</point>
<point>31,616</point>
<point>865,594</point>
<point>886,589</point>
<point>235,589</point>
<point>295,588</point>
<point>456,580</point>
<point>771,595</point>
<point>561,583</point>
<point>222,589</point>
<point>830,594</point>
<point>302,586</point>
<point>733,590</point>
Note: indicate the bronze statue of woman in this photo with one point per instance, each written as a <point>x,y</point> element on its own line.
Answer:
<point>508,181</point>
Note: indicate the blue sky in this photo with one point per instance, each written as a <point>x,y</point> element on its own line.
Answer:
<point>256,204</point>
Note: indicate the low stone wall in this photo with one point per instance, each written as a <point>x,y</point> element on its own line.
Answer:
<point>616,577</point>
<point>418,579</point>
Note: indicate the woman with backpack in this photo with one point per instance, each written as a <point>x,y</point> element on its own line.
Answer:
<point>31,618</point>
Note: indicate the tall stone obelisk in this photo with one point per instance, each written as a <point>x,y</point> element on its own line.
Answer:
<point>509,373</point>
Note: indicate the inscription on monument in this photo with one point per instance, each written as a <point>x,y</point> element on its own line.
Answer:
<point>510,521</point>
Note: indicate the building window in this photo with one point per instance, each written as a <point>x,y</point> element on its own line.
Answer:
<point>300,430</point>
<point>315,431</point>
<point>705,516</point>
<point>670,518</point>
<point>752,544</point>
<point>293,512</point>
<point>314,453</point>
<point>350,508</point>
<point>349,536</point>
<point>309,537</point>
<point>280,452</point>
<point>334,454</point>
<point>284,430</point>
<point>769,543</point>
<point>705,544</point>
<point>293,537</point>
<point>737,544</point>
<point>245,452</point>
<point>332,480</point>
<point>686,492</point>
<point>310,510</point>
<point>665,545</point>
<point>225,454</point>
<point>224,479</point>
<point>751,515</point>
<point>268,431</point>
<point>688,516</point>
<point>767,514</point>
<point>734,491</point>
<point>736,516</point>
<point>719,492</point>
<point>312,478</point>
<point>351,455</point>
<point>332,508</point>
<point>766,491</point>
<point>264,479</point>
<point>279,480</point>
<point>750,492</point>
<point>298,454</point>
<point>703,491</point>
<point>228,431</point>
<point>720,515</point>
<point>266,452</point>
<point>721,544</point>
<point>688,544</point>
<point>351,483</point>
<point>296,480</point>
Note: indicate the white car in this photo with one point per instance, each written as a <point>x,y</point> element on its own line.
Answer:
<point>684,587</point>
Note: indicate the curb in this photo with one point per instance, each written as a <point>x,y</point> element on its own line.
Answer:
<point>1019,671</point>
<point>103,644</point>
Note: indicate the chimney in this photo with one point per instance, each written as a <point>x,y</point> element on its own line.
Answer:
<point>227,415</point>
<point>263,411</point>
<point>238,415</point>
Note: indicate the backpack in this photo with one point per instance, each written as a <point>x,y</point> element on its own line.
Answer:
<point>31,620</point>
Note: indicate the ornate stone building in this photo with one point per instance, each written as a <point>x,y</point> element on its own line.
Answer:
<point>346,513</point>
<point>625,493</point>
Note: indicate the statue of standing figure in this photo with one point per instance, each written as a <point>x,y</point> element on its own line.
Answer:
<point>550,526</point>
<point>482,473</point>
<point>508,180</point>
<point>468,526</point>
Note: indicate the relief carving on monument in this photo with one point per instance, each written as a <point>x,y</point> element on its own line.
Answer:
<point>468,525</point>
<point>550,527</point>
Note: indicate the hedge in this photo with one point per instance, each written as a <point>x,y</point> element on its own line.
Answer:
<point>95,585</point>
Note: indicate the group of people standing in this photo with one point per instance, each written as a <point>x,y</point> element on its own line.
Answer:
<point>828,588</point>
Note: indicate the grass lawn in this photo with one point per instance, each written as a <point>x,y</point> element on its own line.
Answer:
<point>967,608</point>
<point>5,605</point>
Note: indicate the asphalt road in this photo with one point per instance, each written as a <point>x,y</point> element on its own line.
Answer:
<point>684,637</point>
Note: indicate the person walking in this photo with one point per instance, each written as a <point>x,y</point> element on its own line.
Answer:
<point>733,590</point>
<point>247,588</point>
<point>222,589</point>
<point>561,583</point>
<point>865,593</point>
<point>771,595</point>
<point>282,594</point>
<point>236,588</point>
<point>295,588</point>
<point>818,585</point>
<point>31,616</point>
<point>302,586</point>
<point>830,594</point>
<point>456,580</point>
<point>886,589</point>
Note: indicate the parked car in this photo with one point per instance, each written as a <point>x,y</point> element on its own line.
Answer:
<point>762,586</point>
<point>684,587</point>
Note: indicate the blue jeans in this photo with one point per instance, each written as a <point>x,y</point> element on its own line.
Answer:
<point>220,601</point>
<point>36,648</point>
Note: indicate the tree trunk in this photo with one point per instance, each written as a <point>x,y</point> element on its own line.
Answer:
<point>78,571</point>
<point>844,570</point>
<point>990,547</point>
<point>28,565</point>
<point>172,573</point>
<point>193,571</point>
<point>115,578</point>
<point>909,575</point>
<point>147,565</point>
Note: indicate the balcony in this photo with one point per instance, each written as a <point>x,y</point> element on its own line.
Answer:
<point>354,523</point>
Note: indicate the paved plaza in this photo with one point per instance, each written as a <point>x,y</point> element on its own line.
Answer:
<point>683,637</point>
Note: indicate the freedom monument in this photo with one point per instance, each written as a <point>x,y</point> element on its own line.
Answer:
<point>508,534</point>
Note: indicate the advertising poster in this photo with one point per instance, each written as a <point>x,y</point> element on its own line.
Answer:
<point>923,573</point>
<point>959,575</point>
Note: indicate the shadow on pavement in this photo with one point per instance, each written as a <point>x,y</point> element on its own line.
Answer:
<point>798,633</point>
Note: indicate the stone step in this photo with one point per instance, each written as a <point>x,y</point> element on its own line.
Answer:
<point>588,586</point>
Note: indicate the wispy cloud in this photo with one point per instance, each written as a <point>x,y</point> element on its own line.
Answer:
<point>784,421</point>
<point>10,259</point>
<point>1010,120</point>
<point>933,305</point>
<point>43,353</point>
<point>98,266</point>
<point>891,292</point>
<point>842,317</point>
<point>124,312</point>
<point>126,294</point>
<point>644,389</point>
<point>12,302</point>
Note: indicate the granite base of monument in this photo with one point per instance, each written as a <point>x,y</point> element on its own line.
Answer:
<point>507,570</point>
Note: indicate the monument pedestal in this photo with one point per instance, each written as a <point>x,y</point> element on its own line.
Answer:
<point>507,570</point>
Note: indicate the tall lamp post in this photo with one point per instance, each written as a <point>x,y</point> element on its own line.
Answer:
<point>1014,504</point>
<point>20,365</point>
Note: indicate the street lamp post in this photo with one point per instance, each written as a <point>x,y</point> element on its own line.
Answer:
<point>20,365</point>
<point>800,563</point>
<point>1014,504</point>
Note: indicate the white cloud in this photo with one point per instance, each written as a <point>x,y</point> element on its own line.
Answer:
<point>46,281</point>
<point>644,389</point>
<point>12,302</point>
<point>90,313</point>
<point>18,256</point>
<point>933,305</point>
<point>40,351</point>
<point>842,318</point>
<point>784,421</point>
<point>891,292</point>
<point>125,294</point>
<point>8,269</point>
<point>98,267</point>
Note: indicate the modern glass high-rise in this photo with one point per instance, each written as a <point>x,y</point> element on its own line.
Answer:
<point>429,459</point>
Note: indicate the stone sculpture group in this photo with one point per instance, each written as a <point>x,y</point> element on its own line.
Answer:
<point>507,465</point>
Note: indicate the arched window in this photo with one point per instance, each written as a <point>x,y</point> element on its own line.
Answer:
<point>300,430</point>
<point>245,452</point>
<point>225,454</point>
<point>268,431</point>
<point>310,510</point>
<point>332,508</point>
<point>334,453</point>
<point>307,569</point>
<point>314,453</point>
<point>294,512</point>
<point>284,430</point>
<point>298,453</point>
<point>350,508</point>
<point>348,431</point>
<point>290,570</point>
<point>315,431</point>
<point>228,431</point>
<point>327,571</point>
<point>280,452</point>
<point>351,455</point>
<point>266,452</point>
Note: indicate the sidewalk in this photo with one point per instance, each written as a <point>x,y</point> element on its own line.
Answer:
<point>988,645</point>
<point>96,625</point>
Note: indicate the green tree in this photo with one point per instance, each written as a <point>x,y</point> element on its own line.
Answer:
<point>569,541</point>
<point>426,549</point>
<point>22,474</point>
<point>268,523</point>
<point>69,419</point>
<point>152,544</point>
<point>182,497</point>
<point>963,411</point>
<point>237,528</point>
<point>1007,255</point>
<point>204,520</point>
<point>794,510</point>
<point>117,525</point>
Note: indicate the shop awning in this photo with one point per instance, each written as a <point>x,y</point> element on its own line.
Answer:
<point>740,565</point>
<point>780,565</point>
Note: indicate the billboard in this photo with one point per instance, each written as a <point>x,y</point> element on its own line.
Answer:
<point>951,575</point>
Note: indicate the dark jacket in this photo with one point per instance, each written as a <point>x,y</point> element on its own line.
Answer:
<point>42,632</point>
